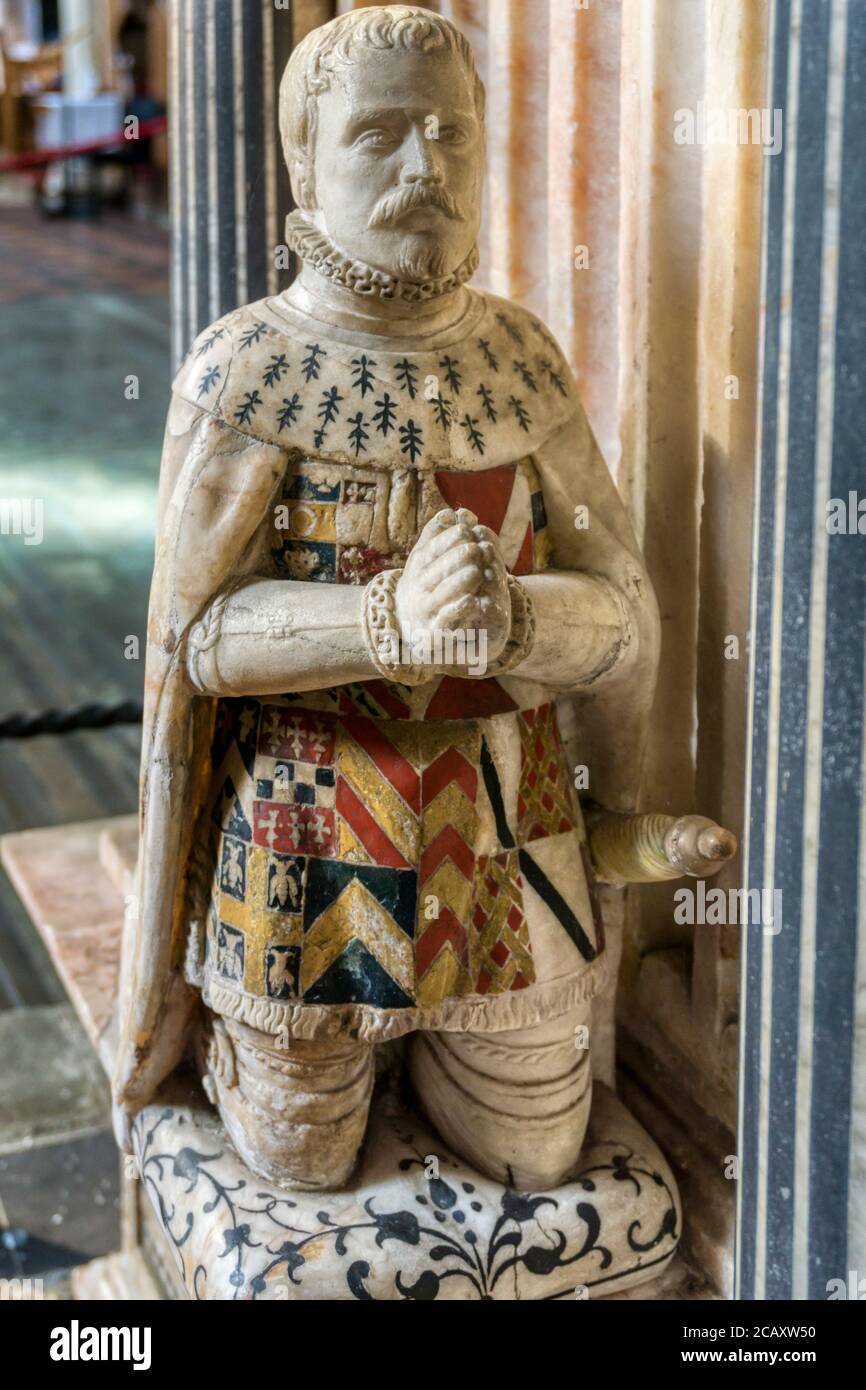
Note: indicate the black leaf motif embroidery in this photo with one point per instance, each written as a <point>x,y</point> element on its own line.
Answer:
<point>411,440</point>
<point>248,407</point>
<point>490,357</point>
<point>523,417</point>
<point>310,365</point>
<point>253,335</point>
<point>290,411</point>
<point>487,402</point>
<point>363,376</point>
<point>407,375</point>
<point>476,438</point>
<point>452,376</point>
<point>358,435</point>
<point>210,340</point>
<point>511,329</point>
<point>385,415</point>
<point>523,370</point>
<point>210,378</point>
<point>274,372</point>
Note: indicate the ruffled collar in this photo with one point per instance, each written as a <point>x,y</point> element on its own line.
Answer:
<point>317,249</point>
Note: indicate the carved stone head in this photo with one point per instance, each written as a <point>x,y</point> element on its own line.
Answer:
<point>382,121</point>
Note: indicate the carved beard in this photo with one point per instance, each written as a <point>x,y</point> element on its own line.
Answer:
<point>416,285</point>
<point>420,263</point>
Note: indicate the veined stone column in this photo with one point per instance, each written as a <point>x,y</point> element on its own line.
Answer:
<point>80,63</point>
<point>229,186</point>
<point>802,1144</point>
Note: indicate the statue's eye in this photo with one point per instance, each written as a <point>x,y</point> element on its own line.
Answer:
<point>376,139</point>
<point>452,135</point>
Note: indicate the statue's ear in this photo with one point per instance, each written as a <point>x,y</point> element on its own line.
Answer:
<point>303,183</point>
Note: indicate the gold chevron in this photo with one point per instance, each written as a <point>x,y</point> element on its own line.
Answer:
<point>451,807</point>
<point>435,737</point>
<point>381,800</point>
<point>357,916</point>
<point>349,847</point>
<point>444,977</point>
<point>448,885</point>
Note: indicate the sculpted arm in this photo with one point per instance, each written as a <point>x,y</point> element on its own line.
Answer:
<point>265,636</point>
<point>594,608</point>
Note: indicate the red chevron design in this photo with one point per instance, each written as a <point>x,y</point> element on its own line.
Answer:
<point>439,933</point>
<point>391,763</point>
<point>368,831</point>
<point>449,844</point>
<point>456,698</point>
<point>450,766</point>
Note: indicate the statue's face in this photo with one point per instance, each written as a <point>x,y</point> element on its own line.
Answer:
<point>394,187</point>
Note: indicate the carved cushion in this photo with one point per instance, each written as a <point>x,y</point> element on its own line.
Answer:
<point>417,1223</point>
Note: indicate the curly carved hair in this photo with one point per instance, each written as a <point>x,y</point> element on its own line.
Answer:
<point>309,70</point>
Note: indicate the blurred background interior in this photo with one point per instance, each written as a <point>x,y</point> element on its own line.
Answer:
<point>84,272</point>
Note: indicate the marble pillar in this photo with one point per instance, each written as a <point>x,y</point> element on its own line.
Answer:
<point>802,1185</point>
<point>229,188</point>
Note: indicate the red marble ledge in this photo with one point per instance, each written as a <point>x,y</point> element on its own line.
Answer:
<point>72,880</point>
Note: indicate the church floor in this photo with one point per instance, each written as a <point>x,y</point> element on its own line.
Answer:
<point>85,310</point>
<point>84,379</point>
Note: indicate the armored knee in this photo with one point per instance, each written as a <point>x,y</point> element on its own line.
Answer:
<point>295,1110</point>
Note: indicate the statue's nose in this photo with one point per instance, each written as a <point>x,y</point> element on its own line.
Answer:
<point>420,165</point>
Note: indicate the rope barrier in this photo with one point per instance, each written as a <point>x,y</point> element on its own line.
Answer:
<point>32,158</point>
<point>66,721</point>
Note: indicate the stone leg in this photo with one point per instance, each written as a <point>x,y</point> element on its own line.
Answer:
<point>513,1104</point>
<point>295,1110</point>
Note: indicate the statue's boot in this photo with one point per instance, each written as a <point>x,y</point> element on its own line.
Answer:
<point>295,1110</point>
<point>514,1104</point>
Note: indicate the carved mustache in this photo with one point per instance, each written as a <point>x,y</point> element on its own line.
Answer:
<point>416,195</point>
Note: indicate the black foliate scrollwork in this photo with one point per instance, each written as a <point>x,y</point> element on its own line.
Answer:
<point>526,1234</point>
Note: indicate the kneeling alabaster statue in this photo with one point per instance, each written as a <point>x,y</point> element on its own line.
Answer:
<point>389,557</point>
